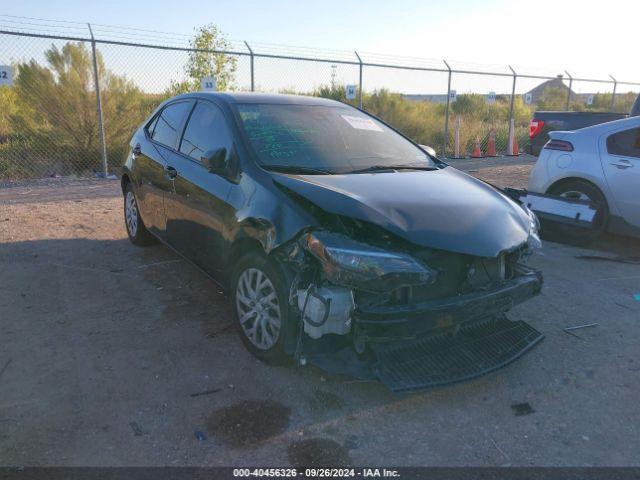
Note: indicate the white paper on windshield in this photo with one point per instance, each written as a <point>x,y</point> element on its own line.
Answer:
<point>360,123</point>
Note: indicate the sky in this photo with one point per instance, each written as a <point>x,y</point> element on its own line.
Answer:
<point>587,38</point>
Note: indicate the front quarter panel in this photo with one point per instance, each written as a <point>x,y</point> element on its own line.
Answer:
<point>264,213</point>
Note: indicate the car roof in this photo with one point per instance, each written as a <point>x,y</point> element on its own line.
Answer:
<point>262,98</point>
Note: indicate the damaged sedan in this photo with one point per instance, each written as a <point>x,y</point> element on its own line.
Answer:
<point>339,241</point>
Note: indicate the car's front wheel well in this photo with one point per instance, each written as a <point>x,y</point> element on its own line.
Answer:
<point>239,248</point>
<point>124,181</point>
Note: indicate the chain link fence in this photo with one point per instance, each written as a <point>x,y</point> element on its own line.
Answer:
<point>53,122</point>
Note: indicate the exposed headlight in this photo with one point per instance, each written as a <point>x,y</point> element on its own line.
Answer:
<point>353,264</point>
<point>534,230</point>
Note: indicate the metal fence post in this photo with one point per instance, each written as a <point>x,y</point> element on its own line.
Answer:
<point>613,97</point>
<point>359,81</point>
<point>251,64</point>
<point>566,108</point>
<point>445,141</point>
<point>105,168</point>
<point>456,142</point>
<point>511,119</point>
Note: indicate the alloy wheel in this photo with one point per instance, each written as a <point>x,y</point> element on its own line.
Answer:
<point>258,308</point>
<point>131,213</point>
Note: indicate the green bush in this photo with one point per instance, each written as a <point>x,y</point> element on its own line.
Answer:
<point>52,124</point>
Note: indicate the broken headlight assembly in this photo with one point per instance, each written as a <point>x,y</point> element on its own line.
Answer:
<point>357,265</point>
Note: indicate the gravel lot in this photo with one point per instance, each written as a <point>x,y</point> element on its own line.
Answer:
<point>114,355</point>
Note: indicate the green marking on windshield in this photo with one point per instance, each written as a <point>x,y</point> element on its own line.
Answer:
<point>317,137</point>
<point>274,139</point>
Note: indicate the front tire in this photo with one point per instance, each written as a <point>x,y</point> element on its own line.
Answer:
<point>580,190</point>
<point>136,230</point>
<point>259,298</point>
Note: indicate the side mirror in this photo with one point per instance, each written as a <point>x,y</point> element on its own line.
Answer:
<point>429,150</point>
<point>215,160</point>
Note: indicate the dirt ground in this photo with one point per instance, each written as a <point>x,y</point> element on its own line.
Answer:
<point>114,355</point>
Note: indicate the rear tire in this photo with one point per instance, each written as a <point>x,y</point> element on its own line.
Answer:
<point>260,304</point>
<point>579,190</point>
<point>136,230</point>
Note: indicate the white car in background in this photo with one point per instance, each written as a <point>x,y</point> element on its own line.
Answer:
<point>600,163</point>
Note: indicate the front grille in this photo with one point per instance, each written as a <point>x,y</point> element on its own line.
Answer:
<point>485,272</point>
<point>458,274</point>
<point>451,268</point>
<point>447,358</point>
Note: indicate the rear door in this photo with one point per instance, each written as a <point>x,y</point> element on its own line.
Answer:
<point>152,154</point>
<point>620,155</point>
<point>198,210</point>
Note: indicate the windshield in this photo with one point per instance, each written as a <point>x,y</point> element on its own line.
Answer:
<point>325,139</point>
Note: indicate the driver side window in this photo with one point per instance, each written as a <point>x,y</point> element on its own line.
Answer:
<point>206,130</point>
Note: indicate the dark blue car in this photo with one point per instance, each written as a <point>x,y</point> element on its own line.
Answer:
<point>339,241</point>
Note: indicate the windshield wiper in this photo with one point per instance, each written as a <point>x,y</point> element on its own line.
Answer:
<point>296,169</point>
<point>378,168</point>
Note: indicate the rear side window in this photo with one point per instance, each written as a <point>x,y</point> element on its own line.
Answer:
<point>167,126</point>
<point>625,143</point>
<point>207,130</point>
<point>152,125</point>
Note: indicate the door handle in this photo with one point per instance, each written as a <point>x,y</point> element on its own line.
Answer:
<point>622,164</point>
<point>170,172</point>
<point>136,150</point>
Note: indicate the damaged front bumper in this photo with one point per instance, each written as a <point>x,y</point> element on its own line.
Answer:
<point>412,324</point>
<point>437,342</point>
<point>384,323</point>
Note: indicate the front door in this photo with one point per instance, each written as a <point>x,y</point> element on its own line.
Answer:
<point>198,208</point>
<point>153,152</point>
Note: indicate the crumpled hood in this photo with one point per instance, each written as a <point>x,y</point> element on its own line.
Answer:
<point>444,209</point>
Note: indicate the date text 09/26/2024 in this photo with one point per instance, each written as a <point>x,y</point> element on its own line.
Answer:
<point>316,473</point>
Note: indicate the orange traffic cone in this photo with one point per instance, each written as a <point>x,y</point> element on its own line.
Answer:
<point>491,145</point>
<point>477,152</point>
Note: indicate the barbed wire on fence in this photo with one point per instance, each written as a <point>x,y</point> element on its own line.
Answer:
<point>59,122</point>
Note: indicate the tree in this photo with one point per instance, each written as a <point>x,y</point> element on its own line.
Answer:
<point>57,109</point>
<point>624,102</point>
<point>206,60</point>
<point>8,101</point>
<point>469,104</point>
<point>552,98</point>
<point>334,92</point>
